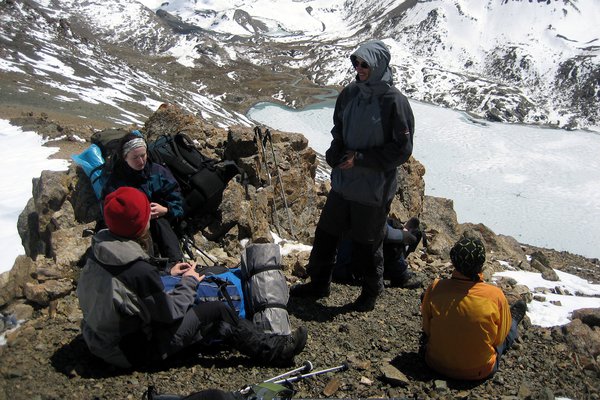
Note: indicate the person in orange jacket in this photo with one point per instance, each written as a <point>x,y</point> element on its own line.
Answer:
<point>468,323</point>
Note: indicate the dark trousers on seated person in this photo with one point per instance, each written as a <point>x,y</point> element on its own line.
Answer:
<point>165,238</point>
<point>216,320</point>
<point>513,333</point>
<point>365,226</point>
<point>203,321</point>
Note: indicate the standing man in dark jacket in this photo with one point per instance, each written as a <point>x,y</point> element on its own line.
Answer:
<point>129,320</point>
<point>372,135</point>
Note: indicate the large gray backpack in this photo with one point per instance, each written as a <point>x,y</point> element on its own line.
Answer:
<point>266,292</point>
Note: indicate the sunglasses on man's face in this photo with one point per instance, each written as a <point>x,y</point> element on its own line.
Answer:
<point>362,64</point>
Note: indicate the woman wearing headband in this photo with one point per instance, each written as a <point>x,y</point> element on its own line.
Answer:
<point>132,168</point>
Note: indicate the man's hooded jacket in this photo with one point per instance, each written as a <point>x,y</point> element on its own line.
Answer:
<point>374,119</point>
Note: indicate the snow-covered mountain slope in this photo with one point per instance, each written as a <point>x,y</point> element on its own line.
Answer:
<point>62,58</point>
<point>517,61</point>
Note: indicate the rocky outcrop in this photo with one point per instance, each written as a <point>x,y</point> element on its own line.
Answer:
<point>278,194</point>
<point>55,228</point>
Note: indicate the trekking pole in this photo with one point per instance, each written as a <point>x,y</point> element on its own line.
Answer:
<point>307,367</point>
<point>342,367</point>
<point>258,133</point>
<point>268,136</point>
<point>187,241</point>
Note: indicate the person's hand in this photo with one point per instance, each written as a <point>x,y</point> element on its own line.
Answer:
<point>348,160</point>
<point>192,272</point>
<point>182,267</point>
<point>157,210</point>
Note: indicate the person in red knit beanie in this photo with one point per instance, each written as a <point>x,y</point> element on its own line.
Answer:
<point>127,212</point>
<point>129,319</point>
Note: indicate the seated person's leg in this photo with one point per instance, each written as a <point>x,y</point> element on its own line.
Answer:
<point>216,320</point>
<point>517,311</point>
<point>203,321</point>
<point>166,239</point>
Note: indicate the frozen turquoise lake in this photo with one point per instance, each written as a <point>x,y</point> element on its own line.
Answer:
<point>538,185</point>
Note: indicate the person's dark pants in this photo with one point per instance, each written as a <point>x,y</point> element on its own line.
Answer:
<point>203,321</point>
<point>513,333</point>
<point>216,320</point>
<point>395,266</point>
<point>365,226</point>
<point>166,239</point>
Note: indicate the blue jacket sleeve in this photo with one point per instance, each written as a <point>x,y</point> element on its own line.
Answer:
<point>166,191</point>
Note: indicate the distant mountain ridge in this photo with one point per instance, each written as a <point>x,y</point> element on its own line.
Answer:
<point>511,61</point>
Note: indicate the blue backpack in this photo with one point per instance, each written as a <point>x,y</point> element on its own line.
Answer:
<point>92,162</point>
<point>219,284</point>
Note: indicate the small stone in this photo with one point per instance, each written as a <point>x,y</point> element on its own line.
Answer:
<point>393,376</point>
<point>366,381</point>
<point>559,290</point>
<point>332,386</point>
<point>440,385</point>
<point>362,365</point>
<point>524,392</point>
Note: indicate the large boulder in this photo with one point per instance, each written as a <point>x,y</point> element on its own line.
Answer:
<point>13,282</point>
<point>439,219</point>
<point>410,196</point>
<point>585,341</point>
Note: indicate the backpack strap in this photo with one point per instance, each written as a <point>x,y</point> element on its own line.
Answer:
<point>263,307</point>
<point>264,269</point>
<point>222,284</point>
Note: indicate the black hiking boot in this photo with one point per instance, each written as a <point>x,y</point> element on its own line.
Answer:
<point>409,280</point>
<point>518,310</point>
<point>310,289</point>
<point>293,343</point>
<point>363,303</point>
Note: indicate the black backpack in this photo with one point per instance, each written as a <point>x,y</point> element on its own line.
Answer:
<point>108,140</point>
<point>202,179</point>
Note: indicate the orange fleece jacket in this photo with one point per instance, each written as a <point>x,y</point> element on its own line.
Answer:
<point>464,322</point>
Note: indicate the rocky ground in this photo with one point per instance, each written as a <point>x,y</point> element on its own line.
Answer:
<point>46,358</point>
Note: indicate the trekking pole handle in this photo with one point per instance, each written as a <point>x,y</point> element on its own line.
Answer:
<point>342,367</point>
<point>307,367</point>
<point>268,137</point>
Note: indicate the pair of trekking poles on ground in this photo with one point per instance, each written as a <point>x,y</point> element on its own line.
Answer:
<point>277,387</point>
<point>261,140</point>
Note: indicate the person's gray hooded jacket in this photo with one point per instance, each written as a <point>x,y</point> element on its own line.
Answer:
<point>374,119</point>
<point>122,297</point>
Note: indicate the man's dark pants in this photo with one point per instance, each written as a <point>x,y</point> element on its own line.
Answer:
<point>365,226</point>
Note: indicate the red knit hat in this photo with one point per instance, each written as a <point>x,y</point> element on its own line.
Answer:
<point>127,212</point>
